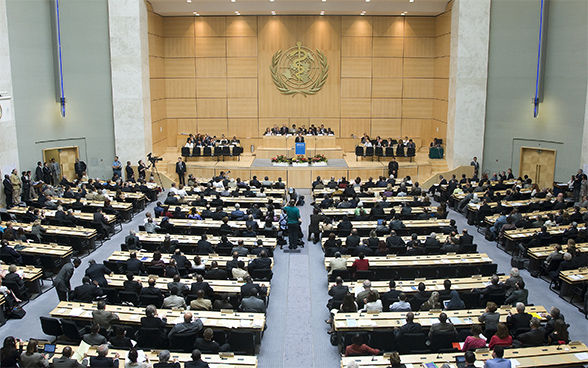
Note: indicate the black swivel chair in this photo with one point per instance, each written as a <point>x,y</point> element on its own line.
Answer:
<point>186,151</point>
<point>358,152</point>
<point>196,151</point>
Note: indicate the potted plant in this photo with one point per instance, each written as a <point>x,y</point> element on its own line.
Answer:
<point>319,160</point>
<point>300,161</point>
<point>280,160</point>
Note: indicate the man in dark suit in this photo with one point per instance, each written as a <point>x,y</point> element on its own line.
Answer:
<point>520,319</point>
<point>62,280</point>
<point>86,292</point>
<point>535,337</point>
<point>204,246</point>
<point>179,258</point>
<point>466,238</point>
<point>131,285</point>
<point>390,296</point>
<point>79,167</point>
<point>102,361</point>
<point>102,223</point>
<point>130,172</point>
<point>353,239</point>
<point>196,361</point>
<point>103,317</point>
<point>200,284</point>
<point>248,285</point>
<point>337,292</point>
<point>152,290</point>
<point>135,265</point>
<point>96,272</point>
<point>39,171</point>
<point>181,171</point>
<point>494,288</point>
<point>8,190</point>
<point>363,248</point>
<point>432,241</point>
<point>65,360</point>
<point>188,326</point>
<point>152,320</point>
<point>393,168</point>
<point>263,262</point>
<point>215,273</point>
<point>299,138</point>
<point>409,327</point>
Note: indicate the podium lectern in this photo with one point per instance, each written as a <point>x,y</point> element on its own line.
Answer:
<point>300,148</point>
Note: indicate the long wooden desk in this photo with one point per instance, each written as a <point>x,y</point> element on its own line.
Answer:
<point>490,220</point>
<point>232,287</point>
<point>119,206</point>
<point>146,257</point>
<point>191,240</point>
<point>77,232</point>
<point>342,212</point>
<point>82,216</point>
<point>132,315</point>
<point>213,360</point>
<point>518,235</point>
<point>420,261</point>
<point>538,254</point>
<point>410,286</point>
<point>207,224</point>
<point>243,201</point>
<point>39,249</point>
<point>571,278</point>
<point>32,276</point>
<point>540,356</point>
<point>460,318</point>
<point>270,192</point>
<point>410,225</point>
<point>185,208</point>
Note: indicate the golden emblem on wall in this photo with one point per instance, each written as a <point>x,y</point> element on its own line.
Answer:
<point>299,70</point>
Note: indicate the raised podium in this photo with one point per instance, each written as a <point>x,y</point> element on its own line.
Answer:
<point>275,145</point>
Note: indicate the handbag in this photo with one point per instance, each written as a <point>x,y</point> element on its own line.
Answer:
<point>17,312</point>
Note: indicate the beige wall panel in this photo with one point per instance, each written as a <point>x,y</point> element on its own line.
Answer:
<point>442,67</point>
<point>172,132</point>
<point>210,26</point>
<point>241,46</point>
<point>333,123</point>
<point>411,171</point>
<point>387,87</point>
<point>443,24</point>
<point>158,110</point>
<point>386,128</point>
<point>356,26</point>
<point>178,47</point>
<point>419,47</point>
<point>212,107</point>
<point>177,108</point>
<point>356,67</point>
<point>356,87</point>
<point>242,87</point>
<point>242,67</point>
<point>412,127</point>
<point>419,68</point>
<point>355,126</point>
<point>277,33</point>
<point>269,123</point>
<point>388,26</point>
<point>213,126</point>
<point>155,24</point>
<point>356,108</point>
<point>442,45</point>
<point>243,108</point>
<point>159,147</point>
<point>420,27</point>
<point>299,178</point>
<point>156,67</point>
<point>180,88</point>
<point>187,126</point>
<point>155,45</point>
<point>242,26</point>
<point>243,127</point>
<point>441,88</point>
<point>327,174</point>
<point>356,47</point>
<point>180,68</point>
<point>442,129</point>
<point>157,88</point>
<point>211,47</point>
<point>440,110</point>
<point>211,87</point>
<point>367,173</point>
<point>418,88</point>
<point>178,27</point>
<point>387,67</point>
<point>199,172</point>
<point>159,130</point>
<point>347,144</point>
<point>388,46</point>
<point>211,68</point>
<point>273,175</point>
<point>387,108</point>
<point>417,108</point>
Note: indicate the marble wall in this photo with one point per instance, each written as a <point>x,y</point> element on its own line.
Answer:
<point>129,62</point>
<point>468,75</point>
<point>585,135</point>
<point>9,146</point>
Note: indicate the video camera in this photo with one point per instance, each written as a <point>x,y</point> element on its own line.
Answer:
<point>153,159</point>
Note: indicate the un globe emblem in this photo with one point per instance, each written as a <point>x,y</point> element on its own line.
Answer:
<point>299,70</point>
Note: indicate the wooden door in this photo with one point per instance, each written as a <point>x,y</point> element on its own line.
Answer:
<point>66,157</point>
<point>538,164</point>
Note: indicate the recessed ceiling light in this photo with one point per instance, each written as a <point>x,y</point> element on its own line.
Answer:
<point>237,12</point>
<point>272,1</point>
<point>273,12</point>
<point>324,1</point>
<point>196,13</point>
<point>189,1</point>
<point>404,13</point>
<point>233,1</point>
<point>363,12</point>
<point>367,1</point>
<point>322,12</point>
<point>411,1</point>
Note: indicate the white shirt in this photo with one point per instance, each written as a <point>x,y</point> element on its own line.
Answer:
<point>174,190</point>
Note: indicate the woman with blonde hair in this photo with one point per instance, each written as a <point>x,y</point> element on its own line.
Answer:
<point>432,303</point>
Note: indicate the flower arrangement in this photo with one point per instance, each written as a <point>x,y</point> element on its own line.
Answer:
<point>300,159</point>
<point>280,159</point>
<point>318,158</point>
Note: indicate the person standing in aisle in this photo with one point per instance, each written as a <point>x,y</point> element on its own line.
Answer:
<point>181,171</point>
<point>293,223</point>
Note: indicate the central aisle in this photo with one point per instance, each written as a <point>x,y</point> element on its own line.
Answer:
<point>296,334</point>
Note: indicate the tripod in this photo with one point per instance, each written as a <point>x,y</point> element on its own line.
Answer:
<point>154,168</point>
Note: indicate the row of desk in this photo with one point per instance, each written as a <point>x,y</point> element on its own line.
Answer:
<point>393,261</point>
<point>147,258</point>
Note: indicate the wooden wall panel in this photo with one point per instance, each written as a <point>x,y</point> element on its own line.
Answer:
<point>419,27</point>
<point>243,127</point>
<point>213,126</point>
<point>180,68</point>
<point>355,127</point>
<point>418,88</point>
<point>387,67</point>
<point>417,108</point>
<point>242,27</point>
<point>355,107</point>
<point>388,26</point>
<point>388,46</point>
<point>387,128</point>
<point>182,27</point>
<point>356,46</point>
<point>387,87</point>
<point>440,110</point>
<point>210,26</point>
<point>178,47</point>
<point>442,67</point>
<point>155,45</point>
<point>172,131</point>
<point>212,107</point>
<point>419,68</point>
<point>212,87</point>
<point>419,47</point>
<point>243,108</point>
<point>356,87</point>
<point>412,127</point>
<point>387,107</point>
<point>441,88</point>
<point>242,67</point>
<point>242,46</point>
<point>157,89</point>
<point>442,45</point>
<point>156,67</point>
<point>211,68</point>
<point>180,88</point>
<point>211,47</point>
<point>187,126</point>
<point>242,87</point>
<point>356,26</point>
<point>356,68</point>
<point>181,108</point>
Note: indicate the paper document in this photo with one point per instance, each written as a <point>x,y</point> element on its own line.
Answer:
<point>76,312</point>
<point>514,363</point>
<point>81,351</point>
<point>581,356</point>
<point>351,322</point>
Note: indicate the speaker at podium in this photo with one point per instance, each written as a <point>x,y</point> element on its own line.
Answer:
<point>300,148</point>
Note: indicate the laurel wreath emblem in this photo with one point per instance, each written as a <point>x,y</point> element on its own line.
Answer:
<point>313,89</point>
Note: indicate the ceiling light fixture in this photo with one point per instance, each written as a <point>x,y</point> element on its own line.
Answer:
<point>411,1</point>
<point>367,1</point>
<point>189,1</point>
<point>363,12</point>
<point>273,12</point>
<point>404,13</point>
<point>322,12</point>
<point>233,1</point>
<point>237,12</point>
<point>272,1</point>
<point>196,13</point>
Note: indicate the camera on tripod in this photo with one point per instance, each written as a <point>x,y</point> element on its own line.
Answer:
<point>153,159</point>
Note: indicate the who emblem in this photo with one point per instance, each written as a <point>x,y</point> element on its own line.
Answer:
<point>299,70</point>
